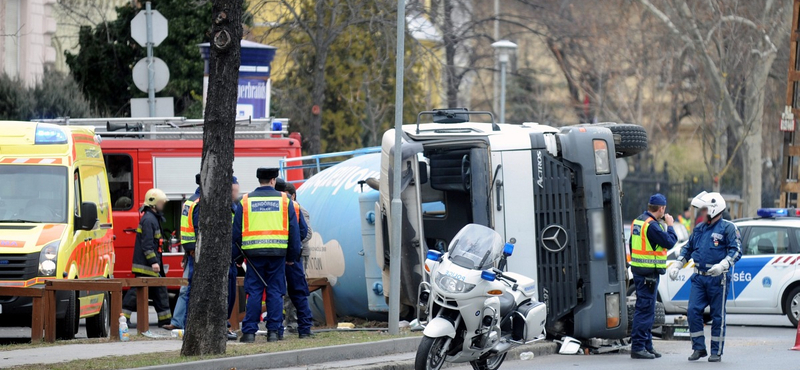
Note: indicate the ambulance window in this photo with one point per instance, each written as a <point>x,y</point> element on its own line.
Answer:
<point>77,181</point>
<point>120,180</point>
<point>766,240</point>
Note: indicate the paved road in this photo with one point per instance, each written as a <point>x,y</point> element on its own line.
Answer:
<point>22,335</point>
<point>753,342</point>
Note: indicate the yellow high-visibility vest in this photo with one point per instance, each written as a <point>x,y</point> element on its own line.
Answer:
<point>265,222</point>
<point>188,234</point>
<point>643,254</point>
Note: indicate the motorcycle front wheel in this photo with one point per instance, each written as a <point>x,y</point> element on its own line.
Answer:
<point>430,354</point>
<point>489,362</point>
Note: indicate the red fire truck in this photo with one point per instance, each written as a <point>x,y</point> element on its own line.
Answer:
<point>143,153</point>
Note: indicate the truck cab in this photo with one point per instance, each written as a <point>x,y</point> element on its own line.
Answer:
<point>553,192</point>
<point>55,221</point>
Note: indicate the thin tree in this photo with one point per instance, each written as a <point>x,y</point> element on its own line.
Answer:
<point>207,306</point>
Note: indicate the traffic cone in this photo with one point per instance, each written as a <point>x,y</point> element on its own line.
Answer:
<point>797,340</point>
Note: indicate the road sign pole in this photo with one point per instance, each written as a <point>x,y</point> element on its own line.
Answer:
<point>151,71</point>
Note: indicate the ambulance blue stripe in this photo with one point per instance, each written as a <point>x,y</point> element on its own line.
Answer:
<point>747,265</point>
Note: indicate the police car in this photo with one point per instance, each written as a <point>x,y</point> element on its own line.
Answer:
<point>767,278</point>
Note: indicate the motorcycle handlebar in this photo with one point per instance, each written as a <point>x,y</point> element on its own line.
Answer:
<point>504,277</point>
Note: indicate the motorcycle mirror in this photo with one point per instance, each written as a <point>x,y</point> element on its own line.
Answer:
<point>434,255</point>
<point>488,275</point>
<point>508,249</point>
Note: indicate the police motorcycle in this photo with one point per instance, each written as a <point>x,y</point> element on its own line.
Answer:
<point>476,312</point>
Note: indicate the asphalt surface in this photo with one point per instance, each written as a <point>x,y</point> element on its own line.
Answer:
<point>9,335</point>
<point>752,342</point>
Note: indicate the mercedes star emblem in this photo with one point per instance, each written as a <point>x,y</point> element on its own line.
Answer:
<point>554,238</point>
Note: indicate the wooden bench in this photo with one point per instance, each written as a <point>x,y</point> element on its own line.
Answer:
<point>314,284</point>
<point>112,286</point>
<point>142,286</point>
<point>38,314</point>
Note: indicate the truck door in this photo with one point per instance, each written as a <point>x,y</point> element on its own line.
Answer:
<point>121,178</point>
<point>766,266</point>
<point>516,200</point>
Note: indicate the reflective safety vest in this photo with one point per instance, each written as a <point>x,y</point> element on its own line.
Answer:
<point>643,254</point>
<point>297,211</point>
<point>265,222</point>
<point>685,222</point>
<point>188,234</point>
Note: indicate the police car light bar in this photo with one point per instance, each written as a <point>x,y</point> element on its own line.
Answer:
<point>778,212</point>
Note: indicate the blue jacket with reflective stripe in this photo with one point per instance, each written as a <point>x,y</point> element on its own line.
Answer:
<point>710,244</point>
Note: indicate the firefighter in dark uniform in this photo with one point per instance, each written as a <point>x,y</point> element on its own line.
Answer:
<point>147,257</point>
<point>270,238</point>
<point>649,245</point>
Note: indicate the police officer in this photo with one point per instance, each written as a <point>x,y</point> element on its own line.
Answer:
<point>147,256</point>
<point>714,246</point>
<point>686,219</point>
<point>189,216</point>
<point>270,238</point>
<point>649,245</point>
<point>295,273</point>
<point>236,255</point>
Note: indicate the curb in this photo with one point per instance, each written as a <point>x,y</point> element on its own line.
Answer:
<point>538,349</point>
<point>300,357</point>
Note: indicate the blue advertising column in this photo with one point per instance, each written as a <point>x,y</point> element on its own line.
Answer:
<point>254,83</point>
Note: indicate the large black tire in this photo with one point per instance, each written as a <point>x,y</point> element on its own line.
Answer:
<point>661,314</point>
<point>67,327</point>
<point>489,362</point>
<point>427,358</point>
<point>629,139</point>
<point>792,305</point>
<point>98,326</point>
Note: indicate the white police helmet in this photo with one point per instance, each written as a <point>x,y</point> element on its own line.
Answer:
<point>711,201</point>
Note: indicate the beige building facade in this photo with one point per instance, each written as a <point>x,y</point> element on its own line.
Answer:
<point>26,31</point>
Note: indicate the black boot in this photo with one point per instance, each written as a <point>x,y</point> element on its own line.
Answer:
<point>642,355</point>
<point>654,353</point>
<point>248,338</point>
<point>306,335</point>
<point>697,354</point>
<point>273,336</point>
<point>715,358</point>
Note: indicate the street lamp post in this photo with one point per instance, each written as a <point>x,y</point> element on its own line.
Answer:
<point>504,49</point>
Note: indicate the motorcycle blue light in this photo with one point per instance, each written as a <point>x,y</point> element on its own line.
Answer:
<point>45,134</point>
<point>434,255</point>
<point>508,249</point>
<point>488,275</point>
<point>772,212</point>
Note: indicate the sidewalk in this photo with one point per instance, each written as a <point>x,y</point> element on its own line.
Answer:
<point>70,352</point>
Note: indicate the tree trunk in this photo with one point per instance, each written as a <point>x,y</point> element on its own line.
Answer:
<point>318,99</point>
<point>208,303</point>
<point>751,147</point>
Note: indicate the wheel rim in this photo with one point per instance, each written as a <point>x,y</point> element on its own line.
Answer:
<point>436,355</point>
<point>494,362</point>
<point>794,306</point>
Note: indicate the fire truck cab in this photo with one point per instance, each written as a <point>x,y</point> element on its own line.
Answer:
<point>165,153</point>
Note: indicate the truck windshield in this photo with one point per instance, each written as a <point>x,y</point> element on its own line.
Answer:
<point>33,194</point>
<point>476,247</point>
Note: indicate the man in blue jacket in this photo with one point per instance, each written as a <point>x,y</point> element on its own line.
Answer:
<point>715,245</point>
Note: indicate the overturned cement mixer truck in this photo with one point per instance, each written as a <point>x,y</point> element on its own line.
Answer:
<point>552,192</point>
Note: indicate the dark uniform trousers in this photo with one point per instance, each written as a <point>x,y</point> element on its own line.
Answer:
<point>272,269</point>
<point>644,315</point>
<point>160,299</point>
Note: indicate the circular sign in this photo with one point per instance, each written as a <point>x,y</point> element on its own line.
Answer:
<point>622,168</point>
<point>160,77</point>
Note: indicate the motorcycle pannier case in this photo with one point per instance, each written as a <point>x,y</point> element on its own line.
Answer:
<point>528,321</point>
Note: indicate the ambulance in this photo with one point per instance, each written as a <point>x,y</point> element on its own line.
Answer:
<point>55,221</point>
<point>767,278</point>
<point>165,153</point>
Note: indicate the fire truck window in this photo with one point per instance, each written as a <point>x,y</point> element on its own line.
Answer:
<point>120,181</point>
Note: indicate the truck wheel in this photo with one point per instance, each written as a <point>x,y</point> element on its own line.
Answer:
<point>629,139</point>
<point>792,305</point>
<point>67,326</point>
<point>98,325</point>
<point>660,315</point>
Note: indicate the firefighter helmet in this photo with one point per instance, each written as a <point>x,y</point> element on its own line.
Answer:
<point>153,196</point>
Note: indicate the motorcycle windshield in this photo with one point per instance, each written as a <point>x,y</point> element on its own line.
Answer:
<point>476,247</point>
